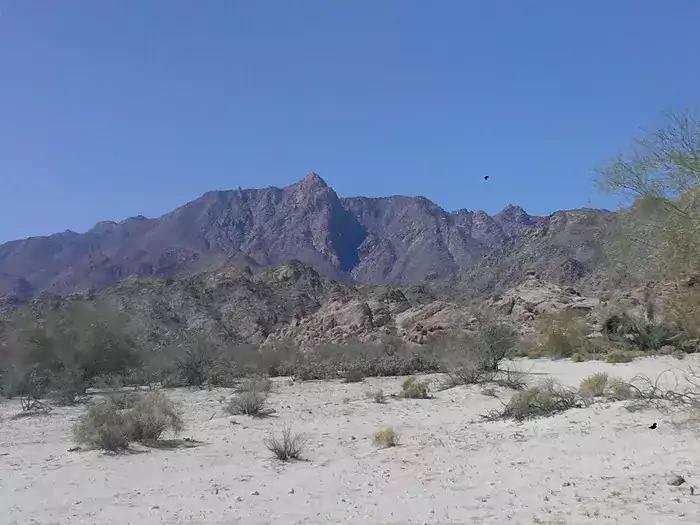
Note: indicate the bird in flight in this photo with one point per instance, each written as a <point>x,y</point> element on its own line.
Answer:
<point>653,426</point>
<point>486,177</point>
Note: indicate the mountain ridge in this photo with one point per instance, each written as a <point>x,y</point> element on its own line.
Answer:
<point>377,240</point>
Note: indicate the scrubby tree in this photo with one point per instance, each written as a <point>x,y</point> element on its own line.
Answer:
<point>661,173</point>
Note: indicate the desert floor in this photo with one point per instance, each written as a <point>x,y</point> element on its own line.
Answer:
<point>600,464</point>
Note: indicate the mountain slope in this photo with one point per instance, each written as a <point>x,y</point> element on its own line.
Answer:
<point>401,240</point>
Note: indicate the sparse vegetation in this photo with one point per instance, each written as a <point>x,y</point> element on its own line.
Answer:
<point>543,400</point>
<point>385,438</point>
<point>619,390</point>
<point>378,396</point>
<point>151,416</point>
<point>560,335</point>
<point>414,389</point>
<point>104,427</point>
<point>594,385</point>
<point>251,401</point>
<point>288,445</point>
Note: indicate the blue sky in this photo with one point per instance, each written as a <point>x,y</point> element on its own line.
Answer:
<point>111,109</point>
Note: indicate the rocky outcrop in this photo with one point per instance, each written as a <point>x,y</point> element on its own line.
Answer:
<point>524,303</point>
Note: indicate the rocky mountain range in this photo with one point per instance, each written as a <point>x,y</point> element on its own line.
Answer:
<point>390,240</point>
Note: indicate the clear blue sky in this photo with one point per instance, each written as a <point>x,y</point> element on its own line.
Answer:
<point>110,109</point>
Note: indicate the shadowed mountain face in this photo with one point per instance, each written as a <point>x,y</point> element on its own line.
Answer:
<point>399,240</point>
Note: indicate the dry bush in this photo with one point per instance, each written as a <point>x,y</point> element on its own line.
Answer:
<point>378,396</point>
<point>104,427</point>
<point>512,378</point>
<point>543,400</point>
<point>385,438</point>
<point>288,445</point>
<point>594,385</point>
<point>414,389</point>
<point>684,392</point>
<point>151,416</point>
<point>619,390</point>
<point>249,403</point>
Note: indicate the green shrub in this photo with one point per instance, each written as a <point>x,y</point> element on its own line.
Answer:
<point>66,386</point>
<point>620,356</point>
<point>411,388</point>
<point>594,385</point>
<point>537,401</point>
<point>151,416</point>
<point>560,335</point>
<point>385,438</point>
<point>104,427</point>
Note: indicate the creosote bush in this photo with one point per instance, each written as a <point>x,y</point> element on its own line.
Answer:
<point>288,445</point>
<point>594,385</point>
<point>414,389</point>
<point>385,438</point>
<point>107,427</point>
<point>151,416</point>
<point>104,427</point>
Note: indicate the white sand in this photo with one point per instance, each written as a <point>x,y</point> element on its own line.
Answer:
<point>595,465</point>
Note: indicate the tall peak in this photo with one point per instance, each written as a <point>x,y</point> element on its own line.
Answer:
<point>313,179</point>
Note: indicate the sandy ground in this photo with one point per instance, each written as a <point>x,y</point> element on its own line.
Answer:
<point>595,465</point>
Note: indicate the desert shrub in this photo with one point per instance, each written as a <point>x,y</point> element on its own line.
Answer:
<point>684,309</point>
<point>353,375</point>
<point>251,402</point>
<point>151,416</point>
<point>640,334</point>
<point>385,438</point>
<point>619,390</point>
<point>123,400</point>
<point>197,362</point>
<point>620,356</point>
<point>66,386</point>
<point>560,335</point>
<point>66,347</point>
<point>414,389</point>
<point>378,396</point>
<point>104,427</point>
<point>543,400</point>
<point>510,378</point>
<point>593,385</point>
<point>288,445</point>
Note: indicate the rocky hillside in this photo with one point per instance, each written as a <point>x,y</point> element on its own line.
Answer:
<point>291,303</point>
<point>392,240</point>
